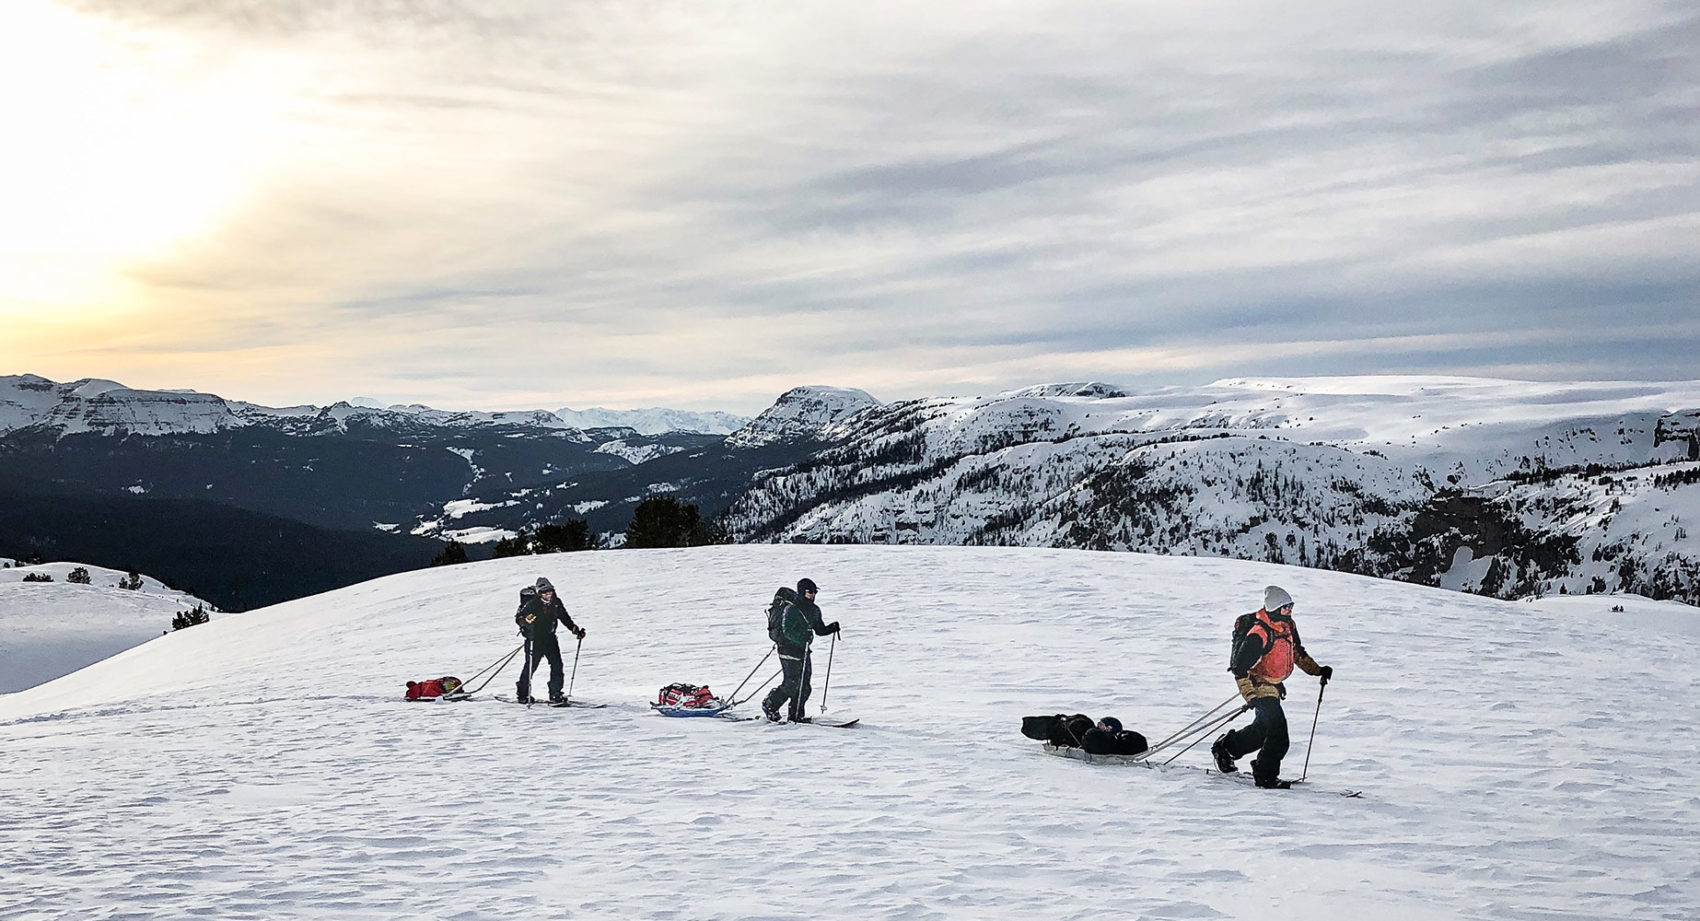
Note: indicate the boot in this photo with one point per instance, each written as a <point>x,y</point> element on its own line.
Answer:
<point>1224,758</point>
<point>770,712</point>
<point>1269,779</point>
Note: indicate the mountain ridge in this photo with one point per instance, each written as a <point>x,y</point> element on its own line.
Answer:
<point>1501,487</point>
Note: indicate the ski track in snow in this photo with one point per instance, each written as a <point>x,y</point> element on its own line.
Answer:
<point>1517,762</point>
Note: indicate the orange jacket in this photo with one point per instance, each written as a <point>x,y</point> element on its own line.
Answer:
<point>1278,650</point>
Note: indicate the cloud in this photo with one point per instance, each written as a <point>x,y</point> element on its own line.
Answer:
<point>529,203</point>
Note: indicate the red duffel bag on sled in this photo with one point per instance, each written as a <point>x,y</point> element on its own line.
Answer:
<point>686,697</point>
<point>434,687</point>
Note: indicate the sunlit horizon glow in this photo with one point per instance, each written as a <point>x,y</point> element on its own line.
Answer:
<point>124,145</point>
<point>530,204</point>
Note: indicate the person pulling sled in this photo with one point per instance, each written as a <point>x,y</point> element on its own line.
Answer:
<point>1266,647</point>
<point>538,615</point>
<point>793,632</point>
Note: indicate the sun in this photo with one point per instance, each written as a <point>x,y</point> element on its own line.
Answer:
<point>121,143</point>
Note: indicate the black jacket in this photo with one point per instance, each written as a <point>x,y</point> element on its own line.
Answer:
<point>538,618</point>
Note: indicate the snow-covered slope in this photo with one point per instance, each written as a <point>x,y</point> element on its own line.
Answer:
<point>803,414</point>
<point>1494,486</point>
<point>49,629</point>
<point>1517,760</point>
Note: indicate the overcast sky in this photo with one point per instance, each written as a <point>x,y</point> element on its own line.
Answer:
<point>502,204</point>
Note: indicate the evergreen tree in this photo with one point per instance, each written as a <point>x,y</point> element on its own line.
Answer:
<point>570,535</point>
<point>518,545</point>
<point>452,554</point>
<point>662,521</point>
<point>78,576</point>
<point>190,618</point>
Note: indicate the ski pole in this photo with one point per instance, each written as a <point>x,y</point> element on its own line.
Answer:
<point>752,674</point>
<point>828,686</point>
<point>1312,741</point>
<point>525,669</point>
<point>576,649</point>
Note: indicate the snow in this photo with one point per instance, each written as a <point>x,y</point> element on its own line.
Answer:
<point>654,421</point>
<point>1519,760</point>
<point>803,413</point>
<point>49,629</point>
<point>636,453</point>
<point>478,535</point>
<point>108,407</point>
<point>459,508</point>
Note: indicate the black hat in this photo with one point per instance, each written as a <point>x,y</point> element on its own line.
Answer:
<point>806,585</point>
<point>544,585</point>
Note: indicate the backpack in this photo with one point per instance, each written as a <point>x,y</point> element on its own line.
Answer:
<point>526,596</point>
<point>782,599</point>
<point>1242,626</point>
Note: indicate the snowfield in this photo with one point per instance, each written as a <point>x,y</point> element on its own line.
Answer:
<point>49,629</point>
<point>1518,760</point>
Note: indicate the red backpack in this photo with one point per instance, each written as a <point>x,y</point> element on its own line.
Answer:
<point>687,696</point>
<point>434,687</point>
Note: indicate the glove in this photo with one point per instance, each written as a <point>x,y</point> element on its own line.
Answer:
<point>579,633</point>
<point>832,627</point>
<point>1326,674</point>
<point>1246,688</point>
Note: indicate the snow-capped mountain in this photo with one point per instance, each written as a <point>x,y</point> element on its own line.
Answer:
<point>1515,760</point>
<point>653,421</point>
<point>77,459</point>
<point>52,628</point>
<point>803,414</point>
<point>1502,487</point>
<point>110,408</point>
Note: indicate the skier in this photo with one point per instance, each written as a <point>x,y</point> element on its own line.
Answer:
<point>798,627</point>
<point>537,620</point>
<point>1262,660</point>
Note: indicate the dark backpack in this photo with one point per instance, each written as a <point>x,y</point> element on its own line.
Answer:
<point>1242,626</point>
<point>526,596</point>
<point>782,599</point>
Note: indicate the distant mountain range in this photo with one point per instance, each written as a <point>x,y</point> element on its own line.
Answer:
<point>1499,487</point>
<point>381,485</point>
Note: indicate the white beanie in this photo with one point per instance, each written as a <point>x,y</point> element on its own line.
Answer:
<point>1275,597</point>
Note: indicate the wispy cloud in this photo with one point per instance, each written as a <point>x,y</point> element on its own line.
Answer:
<point>525,203</point>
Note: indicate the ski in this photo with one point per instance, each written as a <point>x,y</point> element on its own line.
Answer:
<point>1245,780</point>
<point>1241,778</point>
<point>828,721</point>
<point>562,705</point>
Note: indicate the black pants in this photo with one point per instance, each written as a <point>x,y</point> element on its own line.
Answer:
<point>794,686</point>
<point>1267,735</point>
<point>543,647</point>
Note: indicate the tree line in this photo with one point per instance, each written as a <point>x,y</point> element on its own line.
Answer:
<point>659,521</point>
